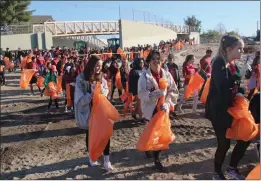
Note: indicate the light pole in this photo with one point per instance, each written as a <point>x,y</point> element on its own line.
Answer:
<point>119,11</point>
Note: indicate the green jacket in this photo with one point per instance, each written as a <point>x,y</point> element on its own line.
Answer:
<point>50,78</point>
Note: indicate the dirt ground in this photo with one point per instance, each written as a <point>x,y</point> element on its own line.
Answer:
<point>35,145</point>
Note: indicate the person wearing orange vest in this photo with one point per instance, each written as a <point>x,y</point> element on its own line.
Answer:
<point>2,72</point>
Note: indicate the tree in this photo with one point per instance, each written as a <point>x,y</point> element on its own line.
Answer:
<point>193,22</point>
<point>14,12</point>
<point>213,35</point>
<point>221,28</point>
<point>234,32</point>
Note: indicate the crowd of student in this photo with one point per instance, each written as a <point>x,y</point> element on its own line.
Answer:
<point>141,78</point>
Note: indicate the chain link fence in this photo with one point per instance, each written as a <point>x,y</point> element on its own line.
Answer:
<point>16,29</point>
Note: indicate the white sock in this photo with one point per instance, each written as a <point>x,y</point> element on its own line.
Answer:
<point>106,158</point>
<point>195,103</point>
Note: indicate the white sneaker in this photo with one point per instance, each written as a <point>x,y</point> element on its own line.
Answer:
<point>93,164</point>
<point>108,166</point>
<point>179,108</point>
<point>195,112</point>
<point>66,110</point>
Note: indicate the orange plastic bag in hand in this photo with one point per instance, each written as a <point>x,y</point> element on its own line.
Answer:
<point>157,134</point>
<point>68,95</point>
<point>101,120</point>
<point>205,91</point>
<point>118,83</point>
<point>59,84</point>
<point>53,88</point>
<point>243,125</point>
<point>24,62</point>
<point>7,63</point>
<point>128,104</point>
<point>40,81</point>
<point>124,96</point>
<point>195,83</point>
<point>25,78</point>
<point>254,174</point>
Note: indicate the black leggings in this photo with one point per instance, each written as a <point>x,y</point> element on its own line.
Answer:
<point>106,151</point>
<point>250,95</point>
<point>2,76</point>
<point>51,101</point>
<point>114,87</point>
<point>223,147</point>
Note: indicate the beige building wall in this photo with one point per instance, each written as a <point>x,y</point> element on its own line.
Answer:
<point>48,38</point>
<point>195,35</point>
<point>134,33</point>
<point>57,41</point>
<point>24,41</point>
<point>27,41</point>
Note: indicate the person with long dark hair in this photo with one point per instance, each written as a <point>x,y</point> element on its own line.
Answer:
<point>114,68</point>
<point>51,77</point>
<point>224,86</point>
<point>149,93</point>
<point>84,89</point>
<point>134,76</point>
<point>33,65</point>
<point>188,70</point>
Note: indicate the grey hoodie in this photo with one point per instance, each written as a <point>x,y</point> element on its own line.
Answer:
<point>82,100</point>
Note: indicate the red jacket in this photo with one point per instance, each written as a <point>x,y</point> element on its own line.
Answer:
<point>205,64</point>
<point>188,71</point>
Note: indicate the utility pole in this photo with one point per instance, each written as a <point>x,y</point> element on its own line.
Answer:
<point>149,16</point>
<point>119,11</point>
<point>144,15</point>
<point>257,27</point>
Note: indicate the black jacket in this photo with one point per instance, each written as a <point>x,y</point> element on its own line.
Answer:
<point>254,107</point>
<point>220,96</point>
<point>124,76</point>
<point>133,81</point>
<point>177,76</point>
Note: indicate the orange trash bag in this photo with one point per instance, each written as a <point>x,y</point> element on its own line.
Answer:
<point>12,65</point>
<point>53,90</point>
<point>205,91</point>
<point>254,174</point>
<point>124,96</point>
<point>243,125</point>
<point>157,134</point>
<point>59,84</point>
<point>128,104</point>
<point>118,83</point>
<point>195,83</point>
<point>7,63</point>
<point>40,81</point>
<point>25,78</point>
<point>68,95</point>
<point>101,121</point>
<point>23,65</point>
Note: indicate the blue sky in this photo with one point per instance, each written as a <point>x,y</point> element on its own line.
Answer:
<point>241,15</point>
